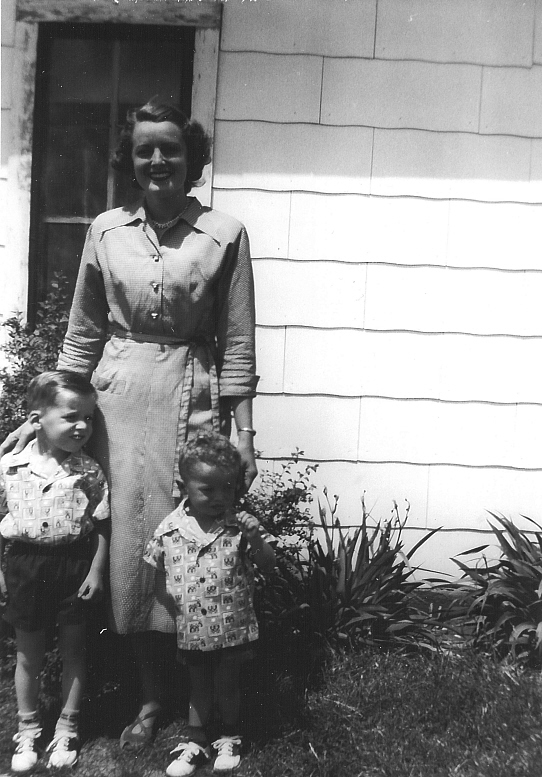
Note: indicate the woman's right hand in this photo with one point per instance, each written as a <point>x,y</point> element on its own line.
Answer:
<point>18,439</point>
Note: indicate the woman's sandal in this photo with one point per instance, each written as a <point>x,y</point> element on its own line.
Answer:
<point>132,739</point>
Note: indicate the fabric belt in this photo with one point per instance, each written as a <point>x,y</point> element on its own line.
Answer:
<point>160,339</point>
<point>184,409</point>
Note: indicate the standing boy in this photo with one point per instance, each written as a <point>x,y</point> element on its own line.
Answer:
<point>207,552</point>
<point>55,502</point>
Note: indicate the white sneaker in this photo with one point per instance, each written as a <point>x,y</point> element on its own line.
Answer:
<point>63,750</point>
<point>190,757</point>
<point>25,756</point>
<point>229,754</point>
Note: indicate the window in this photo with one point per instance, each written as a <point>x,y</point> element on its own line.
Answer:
<point>88,76</point>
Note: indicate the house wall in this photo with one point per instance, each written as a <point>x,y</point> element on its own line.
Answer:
<point>386,157</point>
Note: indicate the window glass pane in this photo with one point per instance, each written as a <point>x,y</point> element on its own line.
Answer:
<point>63,251</point>
<point>80,70</point>
<point>87,77</point>
<point>143,75</point>
<point>75,170</point>
<point>80,90</point>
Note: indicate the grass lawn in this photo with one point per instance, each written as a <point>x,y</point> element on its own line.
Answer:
<point>373,715</point>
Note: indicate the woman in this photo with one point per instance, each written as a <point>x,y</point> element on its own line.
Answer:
<point>163,321</point>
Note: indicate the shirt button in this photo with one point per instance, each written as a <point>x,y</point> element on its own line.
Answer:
<point>154,316</point>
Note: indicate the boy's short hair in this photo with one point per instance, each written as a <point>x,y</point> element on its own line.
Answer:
<point>44,388</point>
<point>209,448</point>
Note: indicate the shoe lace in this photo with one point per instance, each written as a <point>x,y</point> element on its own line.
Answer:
<point>60,742</point>
<point>225,745</point>
<point>188,749</point>
<point>25,741</point>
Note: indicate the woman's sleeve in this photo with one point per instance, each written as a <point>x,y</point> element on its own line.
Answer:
<point>236,323</point>
<point>87,326</point>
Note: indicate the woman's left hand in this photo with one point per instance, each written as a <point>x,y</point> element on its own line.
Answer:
<point>249,470</point>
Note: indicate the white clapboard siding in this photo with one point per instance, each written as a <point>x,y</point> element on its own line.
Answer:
<point>457,165</point>
<point>439,496</point>
<point>509,101</point>
<point>418,94</point>
<point>483,31</point>
<point>314,294</point>
<point>283,157</point>
<point>332,27</point>
<point>396,249</point>
<point>398,298</point>
<point>261,91</point>
<point>402,365</point>
<point>392,230</point>
<point>309,157</point>
<point>266,216</point>
<point>403,431</point>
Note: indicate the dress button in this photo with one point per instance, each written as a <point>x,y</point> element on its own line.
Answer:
<point>156,257</point>
<point>202,579</point>
<point>45,525</point>
<point>155,286</point>
<point>203,611</point>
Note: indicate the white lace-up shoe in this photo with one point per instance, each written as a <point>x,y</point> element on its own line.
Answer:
<point>63,750</point>
<point>25,756</point>
<point>228,754</point>
<point>190,757</point>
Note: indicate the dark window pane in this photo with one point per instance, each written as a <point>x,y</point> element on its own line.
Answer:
<point>142,72</point>
<point>75,173</point>
<point>63,252</point>
<point>81,70</point>
<point>87,77</point>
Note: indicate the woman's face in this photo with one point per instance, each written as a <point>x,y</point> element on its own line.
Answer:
<point>159,158</point>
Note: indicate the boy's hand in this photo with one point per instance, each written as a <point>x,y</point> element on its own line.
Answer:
<point>92,586</point>
<point>249,525</point>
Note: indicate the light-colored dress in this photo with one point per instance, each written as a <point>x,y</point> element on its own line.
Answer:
<point>166,329</point>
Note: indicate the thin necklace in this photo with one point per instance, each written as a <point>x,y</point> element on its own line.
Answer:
<point>167,224</point>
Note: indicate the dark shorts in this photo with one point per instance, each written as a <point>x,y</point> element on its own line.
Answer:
<point>42,582</point>
<point>213,658</point>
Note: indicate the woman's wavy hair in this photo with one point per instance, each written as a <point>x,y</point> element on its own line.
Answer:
<point>197,141</point>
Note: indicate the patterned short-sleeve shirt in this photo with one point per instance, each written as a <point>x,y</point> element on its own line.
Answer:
<point>210,578</point>
<point>56,509</point>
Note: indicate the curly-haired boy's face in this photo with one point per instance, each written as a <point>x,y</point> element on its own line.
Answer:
<point>159,157</point>
<point>210,490</point>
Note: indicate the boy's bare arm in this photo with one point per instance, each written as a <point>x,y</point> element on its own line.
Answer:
<point>262,553</point>
<point>93,585</point>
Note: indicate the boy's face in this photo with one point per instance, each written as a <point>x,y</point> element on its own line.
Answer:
<point>210,490</point>
<point>66,425</point>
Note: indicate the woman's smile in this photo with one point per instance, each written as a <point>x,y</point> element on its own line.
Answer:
<point>160,166</point>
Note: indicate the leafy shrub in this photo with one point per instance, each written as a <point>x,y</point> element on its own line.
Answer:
<point>338,588</point>
<point>29,351</point>
<point>503,599</point>
<point>282,502</point>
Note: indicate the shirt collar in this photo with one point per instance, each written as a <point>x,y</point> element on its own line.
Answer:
<point>24,458</point>
<point>180,521</point>
<point>199,217</point>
